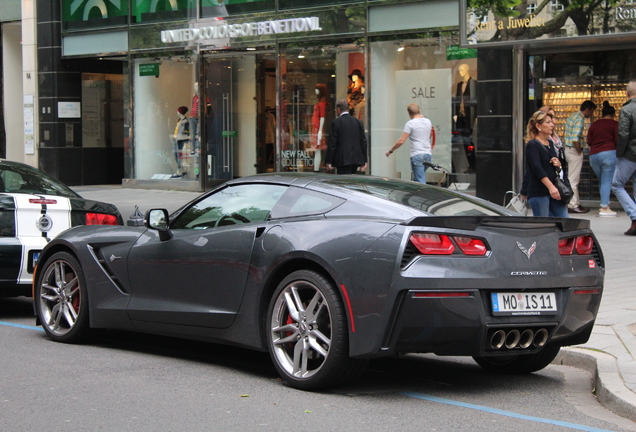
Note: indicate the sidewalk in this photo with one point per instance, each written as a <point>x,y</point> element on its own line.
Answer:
<point>610,354</point>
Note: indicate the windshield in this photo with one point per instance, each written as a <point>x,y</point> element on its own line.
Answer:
<point>430,199</point>
<point>18,178</point>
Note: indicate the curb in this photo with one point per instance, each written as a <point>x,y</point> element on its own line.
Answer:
<point>610,390</point>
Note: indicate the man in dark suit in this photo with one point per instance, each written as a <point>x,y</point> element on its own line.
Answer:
<point>347,148</point>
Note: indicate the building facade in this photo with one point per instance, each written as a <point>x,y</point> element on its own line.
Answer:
<point>259,80</point>
<point>102,82</point>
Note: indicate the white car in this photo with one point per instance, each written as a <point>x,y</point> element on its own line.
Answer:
<point>34,208</point>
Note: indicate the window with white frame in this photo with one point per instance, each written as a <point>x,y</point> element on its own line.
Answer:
<point>555,5</point>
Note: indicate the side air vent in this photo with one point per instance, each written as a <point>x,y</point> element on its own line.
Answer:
<point>597,256</point>
<point>409,253</point>
<point>98,256</point>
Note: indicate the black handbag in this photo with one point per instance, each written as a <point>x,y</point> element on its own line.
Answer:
<point>563,186</point>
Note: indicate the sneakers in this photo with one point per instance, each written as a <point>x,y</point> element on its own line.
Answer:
<point>176,176</point>
<point>606,211</point>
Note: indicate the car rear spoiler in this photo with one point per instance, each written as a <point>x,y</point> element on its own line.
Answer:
<point>472,222</point>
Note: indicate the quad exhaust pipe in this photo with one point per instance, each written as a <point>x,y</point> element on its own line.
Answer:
<point>514,338</point>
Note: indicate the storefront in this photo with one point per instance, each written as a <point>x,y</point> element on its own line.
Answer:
<point>565,56</point>
<point>210,90</point>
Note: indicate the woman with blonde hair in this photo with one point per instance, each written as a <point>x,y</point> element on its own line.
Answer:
<point>543,160</point>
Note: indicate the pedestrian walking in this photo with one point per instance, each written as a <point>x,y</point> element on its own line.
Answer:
<point>602,138</point>
<point>419,130</point>
<point>558,146</point>
<point>543,160</point>
<point>347,148</point>
<point>626,156</point>
<point>574,151</point>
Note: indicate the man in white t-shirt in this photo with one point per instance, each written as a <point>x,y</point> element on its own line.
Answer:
<point>422,135</point>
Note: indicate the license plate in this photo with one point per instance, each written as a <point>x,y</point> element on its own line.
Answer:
<point>527,303</point>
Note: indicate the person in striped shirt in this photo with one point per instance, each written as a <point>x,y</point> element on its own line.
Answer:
<point>574,151</point>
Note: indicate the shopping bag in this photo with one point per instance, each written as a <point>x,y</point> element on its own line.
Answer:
<point>517,204</point>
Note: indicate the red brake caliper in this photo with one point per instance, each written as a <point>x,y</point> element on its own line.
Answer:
<point>289,321</point>
<point>76,297</point>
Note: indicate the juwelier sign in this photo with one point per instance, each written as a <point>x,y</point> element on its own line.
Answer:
<point>506,22</point>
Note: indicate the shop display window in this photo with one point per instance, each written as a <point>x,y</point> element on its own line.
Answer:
<point>565,81</point>
<point>312,80</point>
<point>166,138</point>
<point>442,79</point>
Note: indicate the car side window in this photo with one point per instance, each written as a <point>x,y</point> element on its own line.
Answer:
<point>304,202</point>
<point>241,204</point>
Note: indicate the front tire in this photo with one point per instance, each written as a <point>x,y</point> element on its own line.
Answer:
<point>519,364</point>
<point>61,299</point>
<point>307,333</point>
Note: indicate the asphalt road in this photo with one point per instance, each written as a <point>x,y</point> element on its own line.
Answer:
<point>130,382</point>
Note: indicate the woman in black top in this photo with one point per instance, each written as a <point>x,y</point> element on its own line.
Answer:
<point>542,160</point>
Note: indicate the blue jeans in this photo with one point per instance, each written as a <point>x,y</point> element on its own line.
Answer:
<point>418,169</point>
<point>545,206</point>
<point>625,170</point>
<point>603,165</point>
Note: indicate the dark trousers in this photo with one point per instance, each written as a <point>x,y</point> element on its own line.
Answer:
<point>347,169</point>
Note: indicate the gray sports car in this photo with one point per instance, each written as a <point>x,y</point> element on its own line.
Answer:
<point>326,272</point>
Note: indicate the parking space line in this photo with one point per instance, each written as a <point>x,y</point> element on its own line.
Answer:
<point>503,413</point>
<point>4,323</point>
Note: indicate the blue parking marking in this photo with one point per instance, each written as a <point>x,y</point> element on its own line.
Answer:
<point>8,324</point>
<point>504,413</point>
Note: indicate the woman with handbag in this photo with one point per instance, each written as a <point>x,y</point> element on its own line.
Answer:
<point>545,162</point>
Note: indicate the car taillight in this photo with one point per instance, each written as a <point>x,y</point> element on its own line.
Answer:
<point>566,246</point>
<point>582,244</point>
<point>432,244</point>
<point>471,246</point>
<point>440,244</point>
<point>101,219</point>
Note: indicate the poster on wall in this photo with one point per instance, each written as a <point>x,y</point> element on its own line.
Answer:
<point>432,91</point>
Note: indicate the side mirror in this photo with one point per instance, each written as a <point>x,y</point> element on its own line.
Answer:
<point>159,220</point>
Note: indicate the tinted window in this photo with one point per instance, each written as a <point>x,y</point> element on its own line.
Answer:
<point>232,205</point>
<point>25,179</point>
<point>303,202</point>
<point>430,199</point>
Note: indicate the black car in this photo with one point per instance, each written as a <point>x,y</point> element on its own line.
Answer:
<point>326,272</point>
<point>34,208</point>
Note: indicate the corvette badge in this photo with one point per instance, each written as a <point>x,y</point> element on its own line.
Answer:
<point>527,252</point>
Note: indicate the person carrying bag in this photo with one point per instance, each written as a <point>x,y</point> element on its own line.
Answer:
<point>547,169</point>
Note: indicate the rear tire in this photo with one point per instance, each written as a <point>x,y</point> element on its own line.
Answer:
<point>519,364</point>
<point>307,333</point>
<point>61,299</point>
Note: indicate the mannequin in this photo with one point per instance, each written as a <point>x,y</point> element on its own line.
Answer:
<point>181,138</point>
<point>195,114</point>
<point>319,142</point>
<point>355,94</point>
<point>465,111</point>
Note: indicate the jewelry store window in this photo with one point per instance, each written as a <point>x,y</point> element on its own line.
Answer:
<point>564,81</point>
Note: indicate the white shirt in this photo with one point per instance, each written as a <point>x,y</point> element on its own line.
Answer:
<point>419,130</point>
